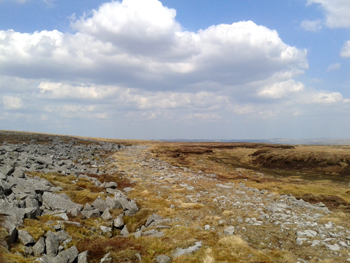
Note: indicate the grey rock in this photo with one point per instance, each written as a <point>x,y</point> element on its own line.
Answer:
<point>82,257</point>
<point>99,204</point>
<point>119,222</point>
<point>18,173</point>
<point>224,186</point>
<point>87,207</point>
<point>111,191</point>
<point>12,231</point>
<point>229,231</point>
<point>129,206</point>
<point>334,247</point>
<point>14,214</point>
<point>28,251</point>
<point>31,212</point>
<point>67,256</point>
<point>153,219</point>
<point>3,176</point>
<point>113,203</point>
<point>91,214</point>
<point>137,234</point>
<point>39,247</point>
<point>57,202</point>
<point>124,231</point>
<point>43,259</point>
<point>105,229</point>
<point>187,251</point>
<point>52,244</point>
<point>62,235</point>
<point>300,240</point>
<point>30,201</point>
<point>163,259</point>
<point>7,169</point>
<point>64,216</point>
<point>25,237</point>
<point>307,233</point>
<point>127,189</point>
<point>112,185</point>
<point>106,215</point>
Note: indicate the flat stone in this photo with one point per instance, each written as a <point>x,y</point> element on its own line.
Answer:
<point>224,186</point>
<point>39,247</point>
<point>55,202</point>
<point>307,233</point>
<point>153,219</point>
<point>181,251</point>
<point>52,244</point>
<point>334,247</point>
<point>25,237</point>
<point>67,256</point>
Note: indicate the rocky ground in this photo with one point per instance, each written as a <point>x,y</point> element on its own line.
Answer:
<point>142,209</point>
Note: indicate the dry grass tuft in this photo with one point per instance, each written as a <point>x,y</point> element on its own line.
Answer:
<point>84,196</point>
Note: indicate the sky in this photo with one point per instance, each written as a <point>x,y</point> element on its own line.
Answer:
<point>149,69</point>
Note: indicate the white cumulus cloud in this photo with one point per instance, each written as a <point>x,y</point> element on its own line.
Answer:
<point>12,103</point>
<point>345,52</point>
<point>313,26</point>
<point>336,11</point>
<point>326,97</point>
<point>333,67</point>
<point>281,89</point>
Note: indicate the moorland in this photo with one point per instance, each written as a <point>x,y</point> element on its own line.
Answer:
<point>195,201</point>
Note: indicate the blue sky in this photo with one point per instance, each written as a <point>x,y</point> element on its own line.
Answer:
<point>148,69</point>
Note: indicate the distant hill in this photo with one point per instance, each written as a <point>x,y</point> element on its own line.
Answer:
<point>320,141</point>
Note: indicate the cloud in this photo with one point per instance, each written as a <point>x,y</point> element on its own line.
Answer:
<point>333,67</point>
<point>324,97</point>
<point>12,103</point>
<point>281,89</point>
<point>313,26</point>
<point>345,52</point>
<point>139,44</point>
<point>63,90</point>
<point>336,11</point>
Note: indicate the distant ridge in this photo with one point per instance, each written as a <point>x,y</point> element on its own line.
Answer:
<point>319,141</point>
